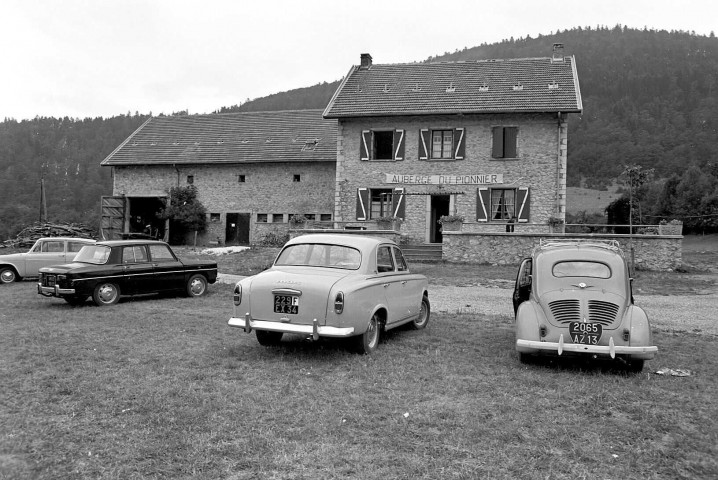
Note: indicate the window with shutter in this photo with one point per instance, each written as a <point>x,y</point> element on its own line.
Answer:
<point>398,203</point>
<point>381,145</point>
<point>442,144</point>
<point>504,142</point>
<point>362,203</point>
<point>503,204</point>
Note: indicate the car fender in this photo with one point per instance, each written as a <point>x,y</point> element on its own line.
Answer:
<point>16,261</point>
<point>245,305</point>
<point>528,320</point>
<point>639,327</point>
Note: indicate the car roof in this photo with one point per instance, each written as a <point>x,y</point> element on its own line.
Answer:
<point>81,239</point>
<point>583,250</point>
<point>120,243</point>
<point>347,239</point>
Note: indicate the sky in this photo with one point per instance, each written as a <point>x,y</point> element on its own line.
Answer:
<point>102,58</point>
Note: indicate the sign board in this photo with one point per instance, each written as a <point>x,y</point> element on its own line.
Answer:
<point>478,179</point>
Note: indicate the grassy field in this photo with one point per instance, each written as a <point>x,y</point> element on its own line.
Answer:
<point>162,388</point>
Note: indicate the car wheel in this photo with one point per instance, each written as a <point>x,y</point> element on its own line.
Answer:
<point>106,294</point>
<point>75,299</point>
<point>268,338</point>
<point>369,340</point>
<point>635,366</point>
<point>7,275</point>
<point>424,314</point>
<point>196,285</point>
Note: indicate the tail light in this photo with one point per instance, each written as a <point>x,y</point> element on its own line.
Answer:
<point>237,297</point>
<point>339,302</point>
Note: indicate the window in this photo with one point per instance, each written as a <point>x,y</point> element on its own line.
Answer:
<point>74,247</point>
<point>160,253</point>
<point>190,179</point>
<point>400,262</point>
<point>504,142</point>
<point>53,247</point>
<point>134,254</point>
<point>277,218</point>
<point>441,144</point>
<point>241,178</point>
<point>380,202</point>
<point>261,218</point>
<point>384,260</point>
<point>381,145</point>
<point>502,204</point>
<point>581,269</point>
<point>310,216</point>
<point>297,178</point>
<point>320,255</point>
<point>325,217</point>
<point>214,217</point>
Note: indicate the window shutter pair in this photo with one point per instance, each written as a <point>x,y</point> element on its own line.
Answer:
<point>398,203</point>
<point>504,142</point>
<point>366,145</point>
<point>459,147</point>
<point>483,204</point>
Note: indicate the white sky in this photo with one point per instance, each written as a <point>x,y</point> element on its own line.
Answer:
<point>101,58</point>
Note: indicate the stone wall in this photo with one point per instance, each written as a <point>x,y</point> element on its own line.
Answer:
<point>651,252</point>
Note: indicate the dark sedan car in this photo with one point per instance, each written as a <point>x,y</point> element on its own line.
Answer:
<point>107,270</point>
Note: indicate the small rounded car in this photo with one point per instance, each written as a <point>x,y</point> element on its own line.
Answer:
<point>110,269</point>
<point>333,285</point>
<point>575,298</point>
<point>45,252</point>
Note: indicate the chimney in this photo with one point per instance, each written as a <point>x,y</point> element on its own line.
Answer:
<point>365,61</point>
<point>557,52</point>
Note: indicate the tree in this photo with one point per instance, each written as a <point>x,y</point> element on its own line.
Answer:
<point>185,210</point>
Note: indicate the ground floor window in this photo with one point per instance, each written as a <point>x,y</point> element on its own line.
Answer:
<point>381,202</point>
<point>502,204</point>
<point>373,203</point>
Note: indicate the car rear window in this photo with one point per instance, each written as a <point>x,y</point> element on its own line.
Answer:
<point>96,254</point>
<point>581,269</point>
<point>320,255</point>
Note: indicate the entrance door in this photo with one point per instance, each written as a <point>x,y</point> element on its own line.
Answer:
<point>439,206</point>
<point>237,230</point>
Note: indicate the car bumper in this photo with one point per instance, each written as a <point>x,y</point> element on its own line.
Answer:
<point>315,330</point>
<point>55,291</point>
<point>532,346</point>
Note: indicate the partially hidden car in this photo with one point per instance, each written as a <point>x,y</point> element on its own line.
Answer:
<point>45,252</point>
<point>333,285</point>
<point>108,270</point>
<point>575,298</point>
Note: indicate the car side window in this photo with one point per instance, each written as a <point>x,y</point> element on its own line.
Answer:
<point>400,261</point>
<point>53,247</point>
<point>74,247</point>
<point>161,253</point>
<point>384,260</point>
<point>134,254</point>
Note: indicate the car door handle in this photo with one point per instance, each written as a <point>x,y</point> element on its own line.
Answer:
<point>386,285</point>
<point>403,282</point>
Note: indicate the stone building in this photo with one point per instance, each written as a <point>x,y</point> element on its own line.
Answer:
<point>483,140</point>
<point>253,171</point>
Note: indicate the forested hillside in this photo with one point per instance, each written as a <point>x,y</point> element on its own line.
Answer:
<point>650,99</point>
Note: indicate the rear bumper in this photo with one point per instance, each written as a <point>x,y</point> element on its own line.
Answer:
<point>315,330</point>
<point>532,346</point>
<point>55,291</point>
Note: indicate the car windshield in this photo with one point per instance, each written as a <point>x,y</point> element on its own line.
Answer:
<point>320,255</point>
<point>96,254</point>
<point>581,269</point>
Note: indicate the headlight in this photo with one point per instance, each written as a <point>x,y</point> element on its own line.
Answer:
<point>339,302</point>
<point>237,297</point>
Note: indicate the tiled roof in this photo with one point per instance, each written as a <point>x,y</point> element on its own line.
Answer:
<point>527,85</point>
<point>283,136</point>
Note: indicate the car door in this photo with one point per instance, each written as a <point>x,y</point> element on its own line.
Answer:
<point>168,270</point>
<point>44,254</point>
<point>522,287</point>
<point>137,269</point>
<point>391,283</point>
<point>409,290</point>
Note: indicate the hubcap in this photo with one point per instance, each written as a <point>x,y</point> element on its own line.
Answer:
<point>107,293</point>
<point>197,287</point>
<point>372,333</point>
<point>7,276</point>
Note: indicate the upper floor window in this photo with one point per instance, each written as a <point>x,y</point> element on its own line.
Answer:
<point>441,144</point>
<point>381,145</point>
<point>190,179</point>
<point>504,142</point>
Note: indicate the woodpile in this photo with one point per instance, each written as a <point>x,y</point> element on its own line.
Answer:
<point>27,237</point>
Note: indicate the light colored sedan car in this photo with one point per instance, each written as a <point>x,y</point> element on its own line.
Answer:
<point>338,285</point>
<point>575,298</point>
<point>46,252</point>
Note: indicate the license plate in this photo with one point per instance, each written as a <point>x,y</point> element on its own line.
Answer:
<point>585,333</point>
<point>286,304</point>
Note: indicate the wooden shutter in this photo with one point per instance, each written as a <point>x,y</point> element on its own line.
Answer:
<point>398,206</point>
<point>459,142</point>
<point>364,144</point>
<point>510,135</point>
<point>523,204</point>
<point>424,143</point>
<point>497,150</point>
<point>398,144</point>
<point>483,204</point>
<point>362,203</point>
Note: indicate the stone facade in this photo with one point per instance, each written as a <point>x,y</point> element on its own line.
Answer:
<point>269,194</point>
<point>651,252</point>
<point>540,167</point>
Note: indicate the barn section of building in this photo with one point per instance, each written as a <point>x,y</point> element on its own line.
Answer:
<point>253,171</point>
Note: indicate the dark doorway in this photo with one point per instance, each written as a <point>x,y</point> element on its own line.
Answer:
<point>237,230</point>
<point>143,217</point>
<point>439,207</point>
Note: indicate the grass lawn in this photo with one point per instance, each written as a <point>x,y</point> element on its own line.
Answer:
<point>163,388</point>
